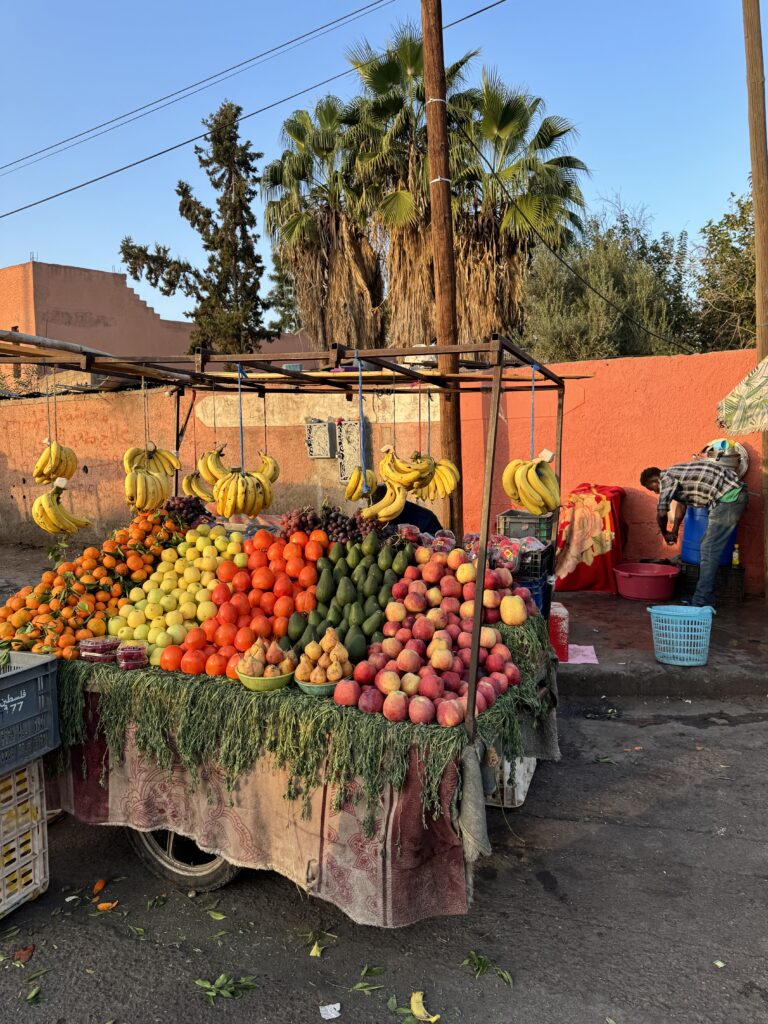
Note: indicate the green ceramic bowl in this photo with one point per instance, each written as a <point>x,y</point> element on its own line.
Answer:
<point>264,684</point>
<point>317,689</point>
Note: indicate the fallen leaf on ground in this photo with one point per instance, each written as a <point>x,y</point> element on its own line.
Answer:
<point>21,956</point>
<point>98,886</point>
<point>106,907</point>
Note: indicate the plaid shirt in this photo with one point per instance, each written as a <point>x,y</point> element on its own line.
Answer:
<point>700,484</point>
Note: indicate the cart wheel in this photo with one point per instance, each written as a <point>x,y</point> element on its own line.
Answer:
<point>178,860</point>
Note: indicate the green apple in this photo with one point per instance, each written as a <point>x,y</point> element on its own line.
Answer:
<point>169,585</point>
<point>206,565</point>
<point>221,544</point>
<point>126,610</point>
<point>174,617</point>
<point>191,574</point>
<point>125,633</point>
<point>154,633</point>
<point>233,549</point>
<point>163,639</point>
<point>188,610</point>
<point>169,602</point>
<point>141,632</point>
<point>201,544</point>
<point>149,584</point>
<point>135,594</point>
<point>236,537</point>
<point>155,656</point>
<point>115,624</point>
<point>192,589</point>
<point>168,555</point>
<point>178,633</point>
<point>136,618</point>
<point>241,560</point>
<point>192,556</point>
<point>217,531</point>
<point>191,536</point>
<point>203,529</point>
<point>180,565</point>
<point>182,548</point>
<point>141,605</point>
<point>153,611</point>
<point>206,610</point>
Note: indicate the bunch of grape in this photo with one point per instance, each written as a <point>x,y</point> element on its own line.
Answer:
<point>300,519</point>
<point>188,511</point>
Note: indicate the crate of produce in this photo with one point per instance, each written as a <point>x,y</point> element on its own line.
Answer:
<point>729,582</point>
<point>23,836</point>
<point>514,523</point>
<point>537,587</point>
<point>512,782</point>
<point>29,711</point>
<point>534,564</point>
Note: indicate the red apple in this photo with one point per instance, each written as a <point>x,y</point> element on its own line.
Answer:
<point>438,643</point>
<point>512,672</point>
<point>482,654</point>
<point>467,610</point>
<point>488,690</point>
<point>423,629</point>
<point>490,580</point>
<point>387,681</point>
<point>390,628</point>
<point>441,557</point>
<point>421,710</point>
<point>391,646</point>
<point>403,635</point>
<point>464,640</point>
<point>454,630</point>
<point>408,661</point>
<point>417,587</point>
<point>441,659</point>
<point>391,665</point>
<point>409,683</point>
<point>413,572</point>
<point>419,646</point>
<point>481,704</point>
<point>487,637</point>
<point>522,592</point>
<point>399,590</point>
<point>491,615</point>
<point>431,686</point>
<point>457,665</point>
<point>451,681</point>
<point>374,649</point>
<point>491,599</point>
<point>371,700</point>
<point>347,693</point>
<point>396,706</point>
<point>438,618</point>
<point>468,591</point>
<point>494,663</point>
<point>502,650</point>
<point>499,680</point>
<point>450,713</point>
<point>425,670</point>
<point>378,661</point>
<point>450,586</point>
<point>434,597</point>
<point>465,654</point>
<point>415,602</point>
<point>466,624</point>
<point>364,673</point>
<point>408,621</point>
<point>450,605</point>
<point>432,572</point>
<point>466,573</point>
<point>504,576</point>
<point>454,620</point>
<point>395,611</point>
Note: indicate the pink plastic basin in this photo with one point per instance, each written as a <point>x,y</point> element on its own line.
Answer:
<point>644,581</point>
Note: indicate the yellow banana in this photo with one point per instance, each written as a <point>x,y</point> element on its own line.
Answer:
<point>353,488</point>
<point>394,507</point>
<point>528,497</point>
<point>508,480</point>
<point>265,486</point>
<point>41,518</point>
<point>131,457</point>
<point>548,478</point>
<point>171,459</point>
<point>269,467</point>
<point>538,485</point>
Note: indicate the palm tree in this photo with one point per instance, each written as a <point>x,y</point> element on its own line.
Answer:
<point>388,135</point>
<point>315,217</point>
<point>514,184</point>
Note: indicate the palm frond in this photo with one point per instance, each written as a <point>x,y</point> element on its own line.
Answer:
<point>397,210</point>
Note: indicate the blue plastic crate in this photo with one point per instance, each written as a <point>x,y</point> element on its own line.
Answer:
<point>29,709</point>
<point>681,634</point>
<point>537,587</point>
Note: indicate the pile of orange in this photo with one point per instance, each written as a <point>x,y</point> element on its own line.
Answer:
<point>74,601</point>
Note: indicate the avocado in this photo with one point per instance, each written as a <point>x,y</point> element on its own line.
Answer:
<point>284,643</point>
<point>377,637</point>
<point>370,545</point>
<point>356,644</point>
<point>385,595</point>
<point>323,563</point>
<point>373,581</point>
<point>390,577</point>
<point>354,555</point>
<point>336,552</point>
<point>314,617</point>
<point>325,587</point>
<point>346,592</point>
<point>371,605</point>
<point>296,626</point>
<point>367,562</point>
<point>322,611</point>
<point>335,615</point>
<point>386,558</point>
<point>373,622</point>
<point>340,569</point>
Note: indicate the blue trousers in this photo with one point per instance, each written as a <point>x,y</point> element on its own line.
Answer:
<point>723,517</point>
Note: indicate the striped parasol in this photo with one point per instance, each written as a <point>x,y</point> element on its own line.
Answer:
<point>745,409</point>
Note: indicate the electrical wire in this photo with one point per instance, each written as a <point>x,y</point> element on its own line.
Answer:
<point>580,277</point>
<point>204,135</point>
<point>188,90</point>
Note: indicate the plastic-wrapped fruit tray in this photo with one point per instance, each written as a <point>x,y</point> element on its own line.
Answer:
<point>99,649</point>
<point>132,656</point>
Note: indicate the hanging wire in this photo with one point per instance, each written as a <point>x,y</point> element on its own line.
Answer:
<point>264,408</point>
<point>48,405</point>
<point>361,422</point>
<point>214,414</point>
<point>534,368</point>
<point>146,413</point>
<point>394,413</point>
<point>419,414</point>
<point>55,409</point>
<point>429,423</point>
<point>194,428</point>
<point>240,375</point>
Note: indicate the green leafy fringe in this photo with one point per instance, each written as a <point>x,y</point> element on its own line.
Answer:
<point>204,721</point>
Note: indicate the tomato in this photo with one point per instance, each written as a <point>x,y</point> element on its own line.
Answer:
<point>275,550</point>
<point>225,634</point>
<point>263,579</point>
<point>254,597</point>
<point>283,586</point>
<point>307,576</point>
<point>221,594</point>
<point>277,565</point>
<point>291,551</point>
<point>320,536</point>
<point>257,560</point>
<point>248,546</point>
<point>195,639</point>
<point>305,602</point>
<point>267,602</point>
<point>210,649</point>
<point>209,627</point>
<point>244,638</point>
<point>313,551</point>
<point>193,663</point>
<point>226,571</point>
<point>216,665</point>
<point>280,625</point>
<point>299,538</point>
<point>243,620</point>
<point>171,657</point>
<point>241,580</point>
<point>260,626</point>
<point>284,606</point>
<point>240,602</point>
<point>232,665</point>
<point>263,540</point>
<point>228,613</point>
<point>293,567</point>
<point>228,650</point>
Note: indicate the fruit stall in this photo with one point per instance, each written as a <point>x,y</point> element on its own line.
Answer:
<point>324,694</point>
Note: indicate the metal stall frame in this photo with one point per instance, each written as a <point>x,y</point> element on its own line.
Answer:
<point>486,368</point>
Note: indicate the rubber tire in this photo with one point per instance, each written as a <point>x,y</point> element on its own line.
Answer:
<point>220,874</point>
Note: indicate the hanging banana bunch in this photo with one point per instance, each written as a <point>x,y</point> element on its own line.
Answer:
<point>390,506</point>
<point>211,468</point>
<point>408,473</point>
<point>194,486</point>
<point>354,490</point>
<point>148,473</point>
<point>532,484</point>
<point>242,493</point>
<point>444,482</point>
<point>56,461</point>
<point>50,515</point>
<point>269,467</point>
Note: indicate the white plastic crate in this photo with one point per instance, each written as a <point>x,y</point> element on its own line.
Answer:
<point>512,782</point>
<point>23,837</point>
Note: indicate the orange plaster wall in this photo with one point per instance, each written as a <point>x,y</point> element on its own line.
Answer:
<point>630,414</point>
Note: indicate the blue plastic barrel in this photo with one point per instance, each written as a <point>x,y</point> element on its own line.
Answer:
<point>694,527</point>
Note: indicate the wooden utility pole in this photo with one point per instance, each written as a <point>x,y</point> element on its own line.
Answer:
<point>442,240</point>
<point>758,147</point>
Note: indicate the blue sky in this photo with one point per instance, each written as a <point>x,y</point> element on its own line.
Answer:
<point>656,90</point>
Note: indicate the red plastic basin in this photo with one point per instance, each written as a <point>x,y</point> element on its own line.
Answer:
<point>644,581</point>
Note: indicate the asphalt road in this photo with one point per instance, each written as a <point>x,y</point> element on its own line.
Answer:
<point>609,897</point>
